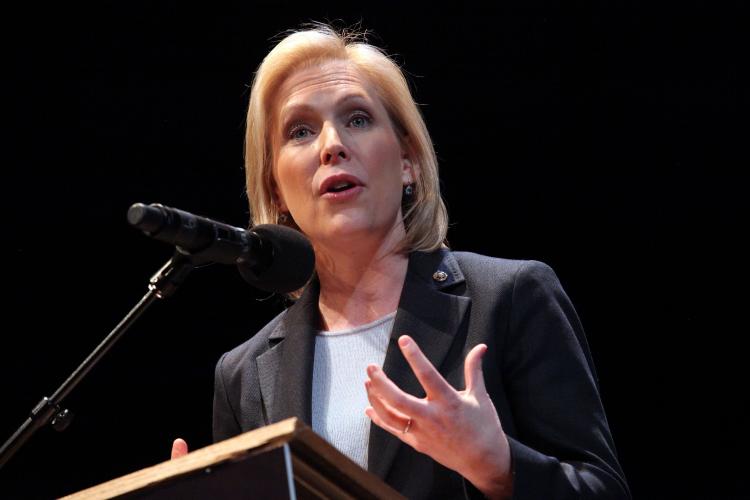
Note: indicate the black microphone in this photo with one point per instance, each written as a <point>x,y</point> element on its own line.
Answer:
<point>271,257</point>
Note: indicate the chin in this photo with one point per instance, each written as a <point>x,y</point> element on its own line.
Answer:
<point>349,228</point>
<point>341,229</point>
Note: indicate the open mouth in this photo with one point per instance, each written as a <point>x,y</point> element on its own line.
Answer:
<point>340,186</point>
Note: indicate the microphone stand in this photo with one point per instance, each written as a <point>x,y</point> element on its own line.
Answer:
<point>163,284</point>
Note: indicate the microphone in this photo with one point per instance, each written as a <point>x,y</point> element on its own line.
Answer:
<point>270,257</point>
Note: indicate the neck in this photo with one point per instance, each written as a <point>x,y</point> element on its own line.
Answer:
<point>359,284</point>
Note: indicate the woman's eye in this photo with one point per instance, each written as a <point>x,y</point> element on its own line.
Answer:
<point>359,121</point>
<point>299,132</point>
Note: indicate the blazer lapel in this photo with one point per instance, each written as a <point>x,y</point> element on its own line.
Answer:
<point>432,318</point>
<point>285,370</point>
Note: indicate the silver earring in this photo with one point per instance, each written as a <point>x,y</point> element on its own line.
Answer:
<point>409,190</point>
<point>283,218</point>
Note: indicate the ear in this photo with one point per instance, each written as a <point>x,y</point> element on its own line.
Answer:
<point>408,172</point>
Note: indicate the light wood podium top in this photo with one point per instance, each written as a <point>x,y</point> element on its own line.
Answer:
<point>313,458</point>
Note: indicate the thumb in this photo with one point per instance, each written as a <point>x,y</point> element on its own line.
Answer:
<point>473,370</point>
<point>179,448</point>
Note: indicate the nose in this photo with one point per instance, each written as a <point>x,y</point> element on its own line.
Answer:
<point>333,150</point>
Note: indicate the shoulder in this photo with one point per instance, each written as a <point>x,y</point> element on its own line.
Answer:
<point>495,272</point>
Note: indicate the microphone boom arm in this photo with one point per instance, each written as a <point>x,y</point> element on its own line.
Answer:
<point>163,284</point>
<point>270,257</point>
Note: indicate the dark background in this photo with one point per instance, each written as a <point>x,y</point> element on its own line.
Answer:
<point>608,141</point>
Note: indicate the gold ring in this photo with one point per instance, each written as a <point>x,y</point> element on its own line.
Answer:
<point>408,426</point>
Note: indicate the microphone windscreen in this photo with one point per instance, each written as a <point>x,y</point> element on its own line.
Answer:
<point>291,263</point>
<point>145,218</point>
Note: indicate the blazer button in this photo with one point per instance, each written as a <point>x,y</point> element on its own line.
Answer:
<point>440,276</point>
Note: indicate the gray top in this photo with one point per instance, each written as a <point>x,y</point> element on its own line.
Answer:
<point>339,398</point>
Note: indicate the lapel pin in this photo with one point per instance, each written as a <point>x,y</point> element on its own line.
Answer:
<point>440,276</point>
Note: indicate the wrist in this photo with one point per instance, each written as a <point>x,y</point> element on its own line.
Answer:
<point>491,473</point>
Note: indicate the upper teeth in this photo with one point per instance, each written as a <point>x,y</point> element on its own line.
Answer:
<point>340,185</point>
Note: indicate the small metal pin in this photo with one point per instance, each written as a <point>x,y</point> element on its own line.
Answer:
<point>440,276</point>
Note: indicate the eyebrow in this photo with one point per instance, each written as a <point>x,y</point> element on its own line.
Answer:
<point>286,111</point>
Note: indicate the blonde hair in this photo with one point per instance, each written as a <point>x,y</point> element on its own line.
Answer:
<point>425,218</point>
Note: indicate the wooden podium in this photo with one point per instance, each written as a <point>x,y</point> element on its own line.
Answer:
<point>286,460</point>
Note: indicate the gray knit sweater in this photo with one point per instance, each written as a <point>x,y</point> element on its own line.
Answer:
<point>339,398</point>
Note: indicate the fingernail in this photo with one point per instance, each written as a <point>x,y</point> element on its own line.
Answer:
<point>371,370</point>
<point>404,341</point>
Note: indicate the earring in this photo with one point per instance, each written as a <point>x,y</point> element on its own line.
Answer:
<point>409,190</point>
<point>283,218</point>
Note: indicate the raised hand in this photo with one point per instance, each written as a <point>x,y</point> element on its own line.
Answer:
<point>459,429</point>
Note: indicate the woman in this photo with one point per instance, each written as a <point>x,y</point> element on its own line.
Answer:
<point>476,371</point>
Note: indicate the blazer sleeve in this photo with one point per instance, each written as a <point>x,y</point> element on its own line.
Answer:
<point>225,424</point>
<point>562,447</point>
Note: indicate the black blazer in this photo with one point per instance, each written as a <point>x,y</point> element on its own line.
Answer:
<point>538,372</point>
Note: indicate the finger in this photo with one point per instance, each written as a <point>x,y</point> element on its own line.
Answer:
<point>406,437</point>
<point>433,383</point>
<point>378,420</point>
<point>473,370</point>
<point>179,448</point>
<point>390,416</point>
<point>384,387</point>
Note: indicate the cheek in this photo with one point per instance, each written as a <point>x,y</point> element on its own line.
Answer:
<point>283,191</point>
<point>292,179</point>
<point>388,163</point>
<point>286,173</point>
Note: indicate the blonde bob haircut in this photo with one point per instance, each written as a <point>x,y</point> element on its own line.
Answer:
<point>425,218</point>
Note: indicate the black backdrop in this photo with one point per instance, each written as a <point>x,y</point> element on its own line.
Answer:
<point>607,141</point>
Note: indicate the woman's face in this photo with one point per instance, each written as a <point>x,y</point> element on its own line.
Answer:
<point>339,167</point>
